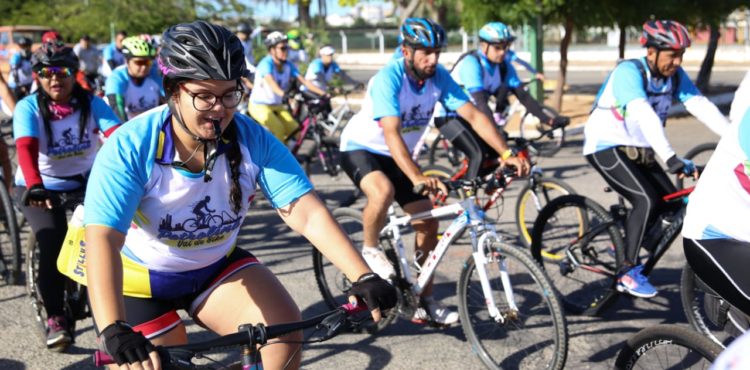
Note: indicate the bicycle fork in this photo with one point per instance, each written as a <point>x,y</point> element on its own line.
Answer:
<point>480,261</point>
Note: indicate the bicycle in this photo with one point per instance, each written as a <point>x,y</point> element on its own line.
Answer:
<point>10,232</point>
<point>581,246</point>
<point>516,296</point>
<point>667,347</point>
<point>699,154</point>
<point>75,296</point>
<point>250,339</point>
<point>536,192</point>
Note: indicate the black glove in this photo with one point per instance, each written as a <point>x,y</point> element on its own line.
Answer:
<point>124,345</point>
<point>36,193</point>
<point>676,165</point>
<point>375,291</point>
<point>560,121</point>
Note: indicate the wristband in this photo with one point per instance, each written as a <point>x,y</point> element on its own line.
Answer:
<point>506,154</point>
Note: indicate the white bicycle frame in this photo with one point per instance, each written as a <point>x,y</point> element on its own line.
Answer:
<point>469,215</point>
<point>336,117</point>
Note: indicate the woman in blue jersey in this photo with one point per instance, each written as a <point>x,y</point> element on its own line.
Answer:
<point>132,89</point>
<point>56,132</point>
<point>165,202</point>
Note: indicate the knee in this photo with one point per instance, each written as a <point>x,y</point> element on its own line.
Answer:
<point>379,192</point>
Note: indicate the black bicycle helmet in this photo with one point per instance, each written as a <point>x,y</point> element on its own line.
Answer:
<point>201,51</point>
<point>244,28</point>
<point>24,41</point>
<point>54,55</point>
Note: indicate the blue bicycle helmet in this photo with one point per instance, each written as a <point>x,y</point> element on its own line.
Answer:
<point>495,33</point>
<point>422,33</point>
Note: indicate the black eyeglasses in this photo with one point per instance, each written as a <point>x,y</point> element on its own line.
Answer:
<point>283,48</point>
<point>205,101</point>
<point>501,46</point>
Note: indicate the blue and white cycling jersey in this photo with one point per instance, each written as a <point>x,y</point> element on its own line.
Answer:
<point>110,52</point>
<point>725,182</point>
<point>609,124</point>
<point>477,74</point>
<point>262,93</point>
<point>65,154</point>
<point>175,221</point>
<point>138,98</point>
<point>22,67</point>
<point>392,93</point>
<point>316,69</point>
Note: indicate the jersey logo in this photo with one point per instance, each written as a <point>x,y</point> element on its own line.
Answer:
<point>68,145</point>
<point>205,226</point>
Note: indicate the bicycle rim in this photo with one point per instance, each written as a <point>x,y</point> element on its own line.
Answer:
<point>550,144</point>
<point>10,242</point>
<point>32,287</point>
<point>667,347</point>
<point>530,202</point>
<point>693,298</point>
<point>534,336</point>
<point>587,252</point>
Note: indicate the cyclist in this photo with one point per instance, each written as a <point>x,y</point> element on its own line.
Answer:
<point>48,166</point>
<point>717,244</point>
<point>142,265</point>
<point>483,73</point>
<point>130,89</point>
<point>377,142</point>
<point>20,79</point>
<point>89,57</point>
<point>273,78</point>
<point>322,70</point>
<point>112,56</point>
<point>626,128</point>
<point>8,103</point>
<point>297,52</point>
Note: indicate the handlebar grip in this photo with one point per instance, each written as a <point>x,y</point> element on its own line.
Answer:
<point>102,359</point>
<point>351,309</point>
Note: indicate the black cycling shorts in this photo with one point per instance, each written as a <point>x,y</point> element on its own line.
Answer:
<point>358,163</point>
<point>154,317</point>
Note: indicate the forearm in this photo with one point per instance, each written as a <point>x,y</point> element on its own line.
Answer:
<point>531,104</point>
<point>7,96</point>
<point>28,160</point>
<point>309,217</point>
<point>526,65</point>
<point>118,106</point>
<point>311,86</point>
<point>708,113</point>
<point>480,98</point>
<point>483,127</point>
<point>402,157</point>
<point>274,86</point>
<point>104,274</point>
<point>640,111</point>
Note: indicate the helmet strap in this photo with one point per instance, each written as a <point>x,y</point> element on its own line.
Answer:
<point>655,67</point>
<point>210,152</point>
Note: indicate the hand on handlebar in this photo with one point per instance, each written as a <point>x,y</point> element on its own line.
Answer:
<point>682,167</point>
<point>559,121</point>
<point>521,165</point>
<point>539,77</point>
<point>431,185</point>
<point>376,293</point>
<point>37,196</point>
<point>128,347</point>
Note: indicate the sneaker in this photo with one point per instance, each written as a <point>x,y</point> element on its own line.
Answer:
<point>378,262</point>
<point>58,337</point>
<point>433,311</point>
<point>634,283</point>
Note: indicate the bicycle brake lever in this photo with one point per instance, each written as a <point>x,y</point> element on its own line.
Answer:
<point>333,324</point>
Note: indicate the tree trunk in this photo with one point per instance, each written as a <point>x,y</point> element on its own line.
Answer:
<point>303,8</point>
<point>406,9</point>
<point>704,75</point>
<point>623,39</point>
<point>559,88</point>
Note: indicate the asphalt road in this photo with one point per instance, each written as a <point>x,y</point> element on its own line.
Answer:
<point>594,341</point>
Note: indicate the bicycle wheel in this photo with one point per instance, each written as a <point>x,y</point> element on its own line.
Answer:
<point>536,193</point>
<point>700,154</point>
<point>535,336</point>
<point>32,287</point>
<point>326,158</point>
<point>441,148</point>
<point>547,145</point>
<point>581,249</point>
<point>10,241</point>
<point>667,347</point>
<point>692,295</point>
<point>334,286</point>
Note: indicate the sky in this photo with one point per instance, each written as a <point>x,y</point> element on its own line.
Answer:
<point>288,12</point>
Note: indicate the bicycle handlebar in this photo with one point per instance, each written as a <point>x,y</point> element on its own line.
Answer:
<point>251,335</point>
<point>499,178</point>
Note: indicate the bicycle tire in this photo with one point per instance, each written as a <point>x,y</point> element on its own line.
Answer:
<point>334,286</point>
<point>453,155</point>
<point>578,226</point>
<point>691,295</point>
<point>526,213</point>
<point>498,345</point>
<point>343,193</point>
<point>546,146</point>
<point>10,238</point>
<point>700,155</point>
<point>32,288</point>
<point>642,351</point>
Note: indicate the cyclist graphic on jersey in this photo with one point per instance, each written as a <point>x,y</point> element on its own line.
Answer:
<point>200,216</point>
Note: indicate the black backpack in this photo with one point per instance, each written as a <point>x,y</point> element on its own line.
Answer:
<point>475,54</point>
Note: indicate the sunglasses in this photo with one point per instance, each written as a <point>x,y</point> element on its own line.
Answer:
<point>283,48</point>
<point>141,62</point>
<point>60,72</point>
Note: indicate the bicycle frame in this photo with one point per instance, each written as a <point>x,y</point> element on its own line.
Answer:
<point>470,216</point>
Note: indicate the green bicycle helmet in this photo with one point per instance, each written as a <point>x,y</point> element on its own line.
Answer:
<point>137,47</point>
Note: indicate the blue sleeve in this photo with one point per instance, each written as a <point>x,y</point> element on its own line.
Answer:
<point>744,134</point>
<point>104,116</point>
<point>687,89</point>
<point>511,56</point>
<point>316,66</point>
<point>470,73</point>
<point>336,68</point>
<point>120,174</point>
<point>511,77</point>
<point>264,68</point>
<point>281,178</point>
<point>452,96</point>
<point>628,83</point>
<point>294,72</point>
<point>384,92</point>
<point>25,118</point>
<point>108,52</point>
<point>157,77</point>
<point>117,83</point>
<point>15,60</point>
<point>525,64</point>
